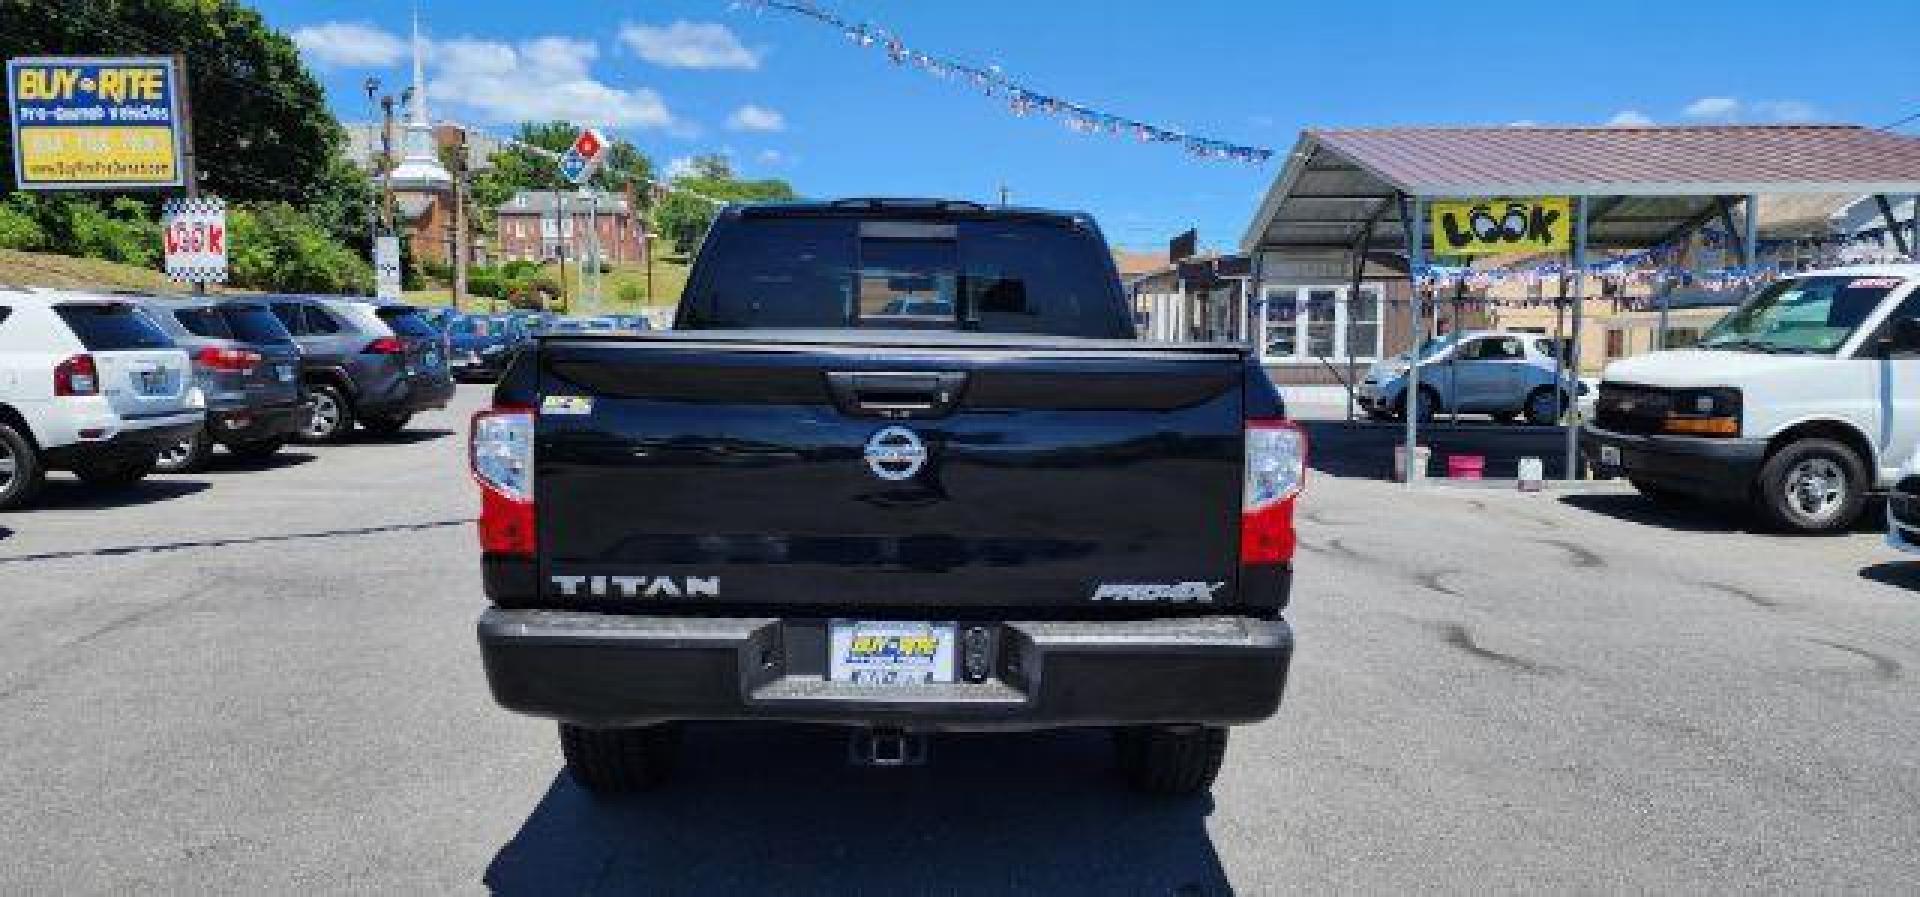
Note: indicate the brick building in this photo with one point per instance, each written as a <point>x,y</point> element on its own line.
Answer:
<point>535,224</point>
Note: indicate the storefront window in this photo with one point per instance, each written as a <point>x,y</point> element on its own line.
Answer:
<point>1304,324</point>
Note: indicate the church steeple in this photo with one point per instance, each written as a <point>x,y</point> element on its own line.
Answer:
<point>420,170</point>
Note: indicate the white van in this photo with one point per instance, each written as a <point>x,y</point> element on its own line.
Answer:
<point>1801,402</point>
<point>87,384</point>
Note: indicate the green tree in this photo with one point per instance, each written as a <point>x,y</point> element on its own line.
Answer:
<point>274,246</point>
<point>518,168</point>
<point>261,126</point>
<point>686,213</point>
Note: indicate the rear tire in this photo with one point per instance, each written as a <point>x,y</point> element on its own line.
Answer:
<point>332,418</point>
<point>1429,405</point>
<point>619,761</point>
<point>1171,761</point>
<point>115,473</point>
<point>1812,487</point>
<point>189,455</point>
<point>21,472</point>
<point>258,449</point>
<point>386,427</point>
<point>1539,409</point>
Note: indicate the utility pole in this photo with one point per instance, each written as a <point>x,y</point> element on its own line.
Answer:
<point>560,241</point>
<point>1003,195</point>
<point>189,157</point>
<point>460,241</point>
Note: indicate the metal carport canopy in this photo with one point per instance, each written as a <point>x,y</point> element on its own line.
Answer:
<point>1656,181</point>
<point>1633,187</point>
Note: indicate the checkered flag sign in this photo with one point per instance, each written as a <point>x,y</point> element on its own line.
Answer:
<point>195,232</point>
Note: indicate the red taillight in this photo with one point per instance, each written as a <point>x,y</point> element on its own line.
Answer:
<point>235,360</point>
<point>386,345</point>
<point>1276,471</point>
<point>77,376</point>
<point>501,455</point>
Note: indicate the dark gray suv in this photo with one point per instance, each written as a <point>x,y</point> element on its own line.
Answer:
<point>364,361</point>
<point>247,367</point>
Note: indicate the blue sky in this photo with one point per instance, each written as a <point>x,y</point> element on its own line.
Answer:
<point>786,97</point>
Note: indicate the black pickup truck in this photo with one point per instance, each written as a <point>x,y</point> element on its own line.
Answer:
<point>900,466</point>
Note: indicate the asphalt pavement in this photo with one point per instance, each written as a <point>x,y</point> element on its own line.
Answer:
<point>265,680</point>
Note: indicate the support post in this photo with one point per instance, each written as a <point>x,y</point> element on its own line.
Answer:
<point>189,157</point>
<point>1750,238</point>
<point>1353,293</point>
<point>1573,345</point>
<point>1893,225</point>
<point>1414,220</point>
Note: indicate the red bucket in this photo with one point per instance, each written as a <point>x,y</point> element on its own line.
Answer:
<point>1466,467</point>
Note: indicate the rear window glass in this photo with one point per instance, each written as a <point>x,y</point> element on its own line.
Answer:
<point>990,275</point>
<point>112,326</point>
<point>205,322</point>
<point>409,322</point>
<point>254,324</point>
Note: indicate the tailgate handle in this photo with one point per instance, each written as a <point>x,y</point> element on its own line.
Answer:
<point>895,395</point>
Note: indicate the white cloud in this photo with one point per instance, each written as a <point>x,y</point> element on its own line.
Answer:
<point>689,45</point>
<point>1630,118</point>
<point>680,166</point>
<point>1787,110</point>
<point>1717,108</point>
<point>771,157</point>
<point>540,79</point>
<point>1523,123</point>
<point>349,43</point>
<point>756,118</point>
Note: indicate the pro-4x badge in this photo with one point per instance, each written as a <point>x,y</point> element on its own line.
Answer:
<point>895,453</point>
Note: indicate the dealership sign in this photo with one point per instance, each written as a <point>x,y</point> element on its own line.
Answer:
<point>95,123</point>
<point>1490,226</point>
<point>195,233</point>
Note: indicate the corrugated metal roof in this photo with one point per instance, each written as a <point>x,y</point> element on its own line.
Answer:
<point>1612,161</point>
<point>1648,184</point>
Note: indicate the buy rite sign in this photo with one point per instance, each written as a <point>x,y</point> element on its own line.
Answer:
<point>89,123</point>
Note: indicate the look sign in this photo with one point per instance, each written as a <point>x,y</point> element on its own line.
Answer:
<point>1490,226</point>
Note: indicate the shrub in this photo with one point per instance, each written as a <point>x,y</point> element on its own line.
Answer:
<point>487,282</point>
<point>19,229</point>
<point>276,247</point>
<point>122,232</point>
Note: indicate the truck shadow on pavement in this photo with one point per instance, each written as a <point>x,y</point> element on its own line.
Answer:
<point>777,809</point>
<point>1702,517</point>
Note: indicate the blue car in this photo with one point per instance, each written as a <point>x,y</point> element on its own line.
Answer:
<point>479,346</point>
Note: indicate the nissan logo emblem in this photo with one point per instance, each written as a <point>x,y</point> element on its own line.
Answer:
<point>895,453</point>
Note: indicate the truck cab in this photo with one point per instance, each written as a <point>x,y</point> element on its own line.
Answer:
<point>1801,403</point>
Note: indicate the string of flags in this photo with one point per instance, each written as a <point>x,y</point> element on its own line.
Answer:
<point>1021,100</point>
<point>1660,265</point>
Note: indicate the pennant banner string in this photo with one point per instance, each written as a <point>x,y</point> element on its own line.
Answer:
<point>1020,99</point>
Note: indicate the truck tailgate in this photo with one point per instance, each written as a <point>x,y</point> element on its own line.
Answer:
<point>956,474</point>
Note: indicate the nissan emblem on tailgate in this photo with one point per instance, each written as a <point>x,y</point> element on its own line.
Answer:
<point>895,453</point>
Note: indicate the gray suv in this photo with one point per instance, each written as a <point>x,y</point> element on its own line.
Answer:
<point>364,361</point>
<point>246,365</point>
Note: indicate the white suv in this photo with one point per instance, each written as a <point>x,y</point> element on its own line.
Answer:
<point>87,384</point>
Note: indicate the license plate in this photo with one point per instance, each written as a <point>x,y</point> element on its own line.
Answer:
<point>870,652</point>
<point>150,382</point>
<point>284,372</point>
<point>1610,455</point>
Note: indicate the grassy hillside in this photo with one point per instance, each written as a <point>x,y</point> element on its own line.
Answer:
<point>669,278</point>
<point>41,269</point>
